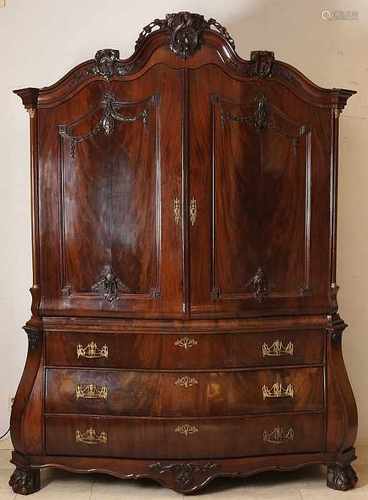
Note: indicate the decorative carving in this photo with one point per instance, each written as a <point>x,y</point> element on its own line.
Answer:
<point>193,211</point>
<point>25,481</point>
<point>262,62</point>
<point>90,437</point>
<point>110,284</point>
<point>91,351</point>
<point>278,349</point>
<point>259,284</point>
<point>278,435</point>
<point>223,31</point>
<point>186,429</point>
<point>215,293</point>
<point>336,326</point>
<point>185,30</point>
<point>259,119</point>
<point>155,293</point>
<point>277,391</point>
<point>340,477</point>
<point>108,64</point>
<point>91,391</point>
<point>184,473</point>
<point>34,337</point>
<point>177,210</point>
<point>185,343</point>
<point>105,125</point>
<point>186,381</point>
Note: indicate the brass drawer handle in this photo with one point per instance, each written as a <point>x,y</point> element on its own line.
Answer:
<point>90,437</point>
<point>278,391</point>
<point>91,391</point>
<point>185,343</point>
<point>278,435</point>
<point>186,429</point>
<point>278,349</point>
<point>91,351</point>
<point>186,381</point>
<point>177,210</point>
<point>193,211</point>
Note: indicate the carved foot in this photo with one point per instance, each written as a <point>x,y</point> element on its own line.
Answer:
<point>341,478</point>
<point>25,481</point>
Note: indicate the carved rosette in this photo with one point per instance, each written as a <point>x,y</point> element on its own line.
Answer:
<point>186,475</point>
<point>341,478</point>
<point>25,482</point>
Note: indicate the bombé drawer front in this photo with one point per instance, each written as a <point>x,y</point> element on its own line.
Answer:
<point>170,351</point>
<point>174,394</point>
<point>180,439</point>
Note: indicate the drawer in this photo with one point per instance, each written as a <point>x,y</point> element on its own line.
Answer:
<point>181,439</point>
<point>170,351</point>
<point>174,394</point>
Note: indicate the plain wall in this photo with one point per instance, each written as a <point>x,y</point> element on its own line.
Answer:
<point>42,39</point>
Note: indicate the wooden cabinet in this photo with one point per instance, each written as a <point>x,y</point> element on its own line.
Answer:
<point>184,315</point>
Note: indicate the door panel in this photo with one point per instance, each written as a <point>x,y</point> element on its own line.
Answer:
<point>251,241</point>
<point>120,179</point>
<point>121,246</point>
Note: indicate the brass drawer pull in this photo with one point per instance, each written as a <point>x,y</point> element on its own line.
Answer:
<point>91,351</point>
<point>90,437</point>
<point>177,210</point>
<point>193,211</point>
<point>277,391</point>
<point>278,435</point>
<point>91,391</point>
<point>186,381</point>
<point>186,429</point>
<point>278,349</point>
<point>185,343</point>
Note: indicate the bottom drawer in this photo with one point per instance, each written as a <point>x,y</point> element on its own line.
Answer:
<point>149,438</point>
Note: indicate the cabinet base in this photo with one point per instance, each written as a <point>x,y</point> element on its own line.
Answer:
<point>181,476</point>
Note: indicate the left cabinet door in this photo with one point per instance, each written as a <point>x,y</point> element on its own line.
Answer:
<point>110,198</point>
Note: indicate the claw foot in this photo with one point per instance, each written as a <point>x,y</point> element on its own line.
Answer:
<point>341,478</point>
<point>25,481</point>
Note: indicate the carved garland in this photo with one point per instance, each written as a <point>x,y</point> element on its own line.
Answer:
<point>105,125</point>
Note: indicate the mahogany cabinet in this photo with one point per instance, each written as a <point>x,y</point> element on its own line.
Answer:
<point>184,316</point>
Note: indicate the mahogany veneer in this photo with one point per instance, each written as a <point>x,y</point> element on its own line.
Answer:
<point>184,315</point>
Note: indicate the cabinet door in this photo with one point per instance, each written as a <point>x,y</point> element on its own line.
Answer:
<point>250,157</point>
<point>110,158</point>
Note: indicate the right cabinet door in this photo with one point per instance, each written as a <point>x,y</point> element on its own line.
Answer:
<point>259,163</point>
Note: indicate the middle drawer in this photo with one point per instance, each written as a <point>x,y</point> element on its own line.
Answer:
<point>172,394</point>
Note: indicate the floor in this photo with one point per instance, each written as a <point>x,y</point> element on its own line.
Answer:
<point>305,484</point>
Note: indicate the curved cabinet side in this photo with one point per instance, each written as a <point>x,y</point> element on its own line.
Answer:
<point>342,410</point>
<point>26,417</point>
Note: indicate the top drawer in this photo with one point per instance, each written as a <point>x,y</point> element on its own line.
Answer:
<point>170,351</point>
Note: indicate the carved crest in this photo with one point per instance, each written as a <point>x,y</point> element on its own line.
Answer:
<point>185,31</point>
<point>262,62</point>
<point>108,64</point>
